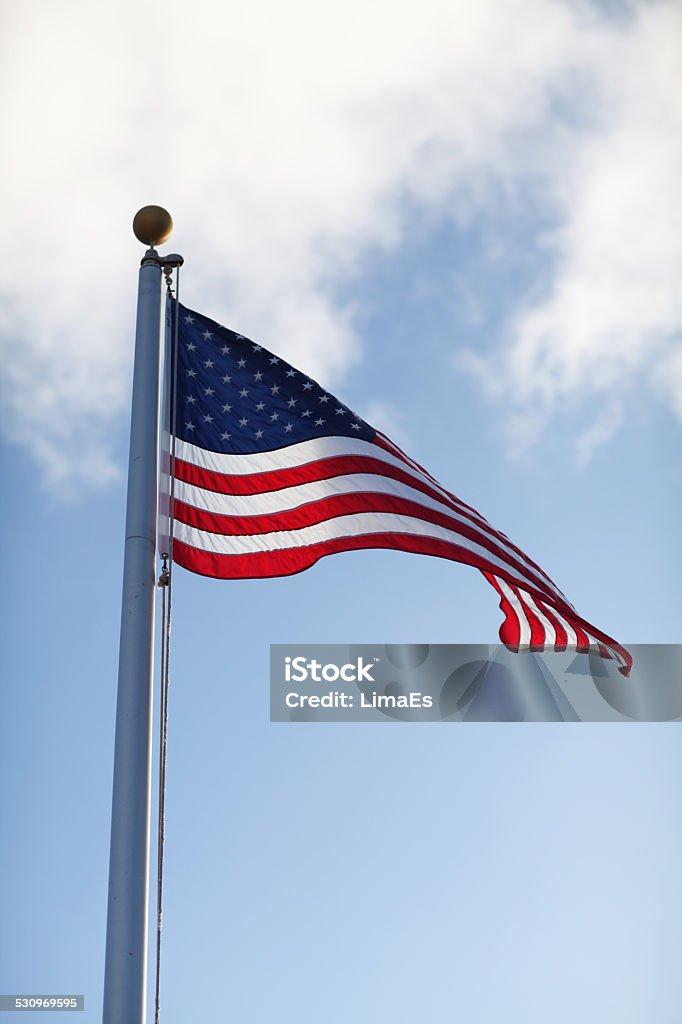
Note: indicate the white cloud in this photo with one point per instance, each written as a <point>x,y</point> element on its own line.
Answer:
<point>612,319</point>
<point>602,429</point>
<point>284,139</point>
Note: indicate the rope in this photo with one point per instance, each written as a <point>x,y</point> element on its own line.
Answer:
<point>166,585</point>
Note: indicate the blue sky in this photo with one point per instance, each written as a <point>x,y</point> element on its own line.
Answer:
<point>469,232</point>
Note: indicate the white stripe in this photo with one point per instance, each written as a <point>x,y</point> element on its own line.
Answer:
<point>282,458</point>
<point>571,635</point>
<point>549,631</point>
<point>517,607</point>
<point>288,498</point>
<point>358,525</point>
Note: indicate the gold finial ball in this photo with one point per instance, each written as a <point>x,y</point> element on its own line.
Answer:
<point>152,225</point>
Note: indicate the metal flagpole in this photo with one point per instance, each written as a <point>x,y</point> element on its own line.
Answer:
<point>125,972</point>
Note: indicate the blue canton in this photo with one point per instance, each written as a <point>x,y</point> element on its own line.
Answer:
<point>233,396</point>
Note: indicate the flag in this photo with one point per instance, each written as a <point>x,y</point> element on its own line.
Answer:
<point>272,473</point>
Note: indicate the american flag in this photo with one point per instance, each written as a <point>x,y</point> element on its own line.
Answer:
<point>272,473</point>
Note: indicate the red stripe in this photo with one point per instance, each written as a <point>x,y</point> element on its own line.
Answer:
<point>561,642</point>
<point>510,630</point>
<point>262,564</point>
<point>308,472</point>
<point>538,637</point>
<point>583,639</point>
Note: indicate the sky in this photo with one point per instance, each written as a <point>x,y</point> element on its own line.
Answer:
<point>465,221</point>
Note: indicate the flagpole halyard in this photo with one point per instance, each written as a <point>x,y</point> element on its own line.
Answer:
<point>125,976</point>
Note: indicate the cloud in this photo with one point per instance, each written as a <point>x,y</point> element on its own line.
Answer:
<point>611,320</point>
<point>285,140</point>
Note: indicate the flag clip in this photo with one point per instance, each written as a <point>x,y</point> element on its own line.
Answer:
<point>170,263</point>
<point>164,578</point>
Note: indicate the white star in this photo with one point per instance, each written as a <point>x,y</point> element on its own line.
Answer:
<point>191,373</point>
<point>318,423</point>
<point>291,403</point>
<point>190,347</point>
<point>289,427</point>
<point>258,376</point>
<point>241,363</point>
<point>324,398</point>
<point>209,391</point>
<point>225,436</point>
<point>190,426</point>
<point>208,418</point>
<point>260,406</point>
<point>244,393</point>
<point>207,335</point>
<point>306,413</point>
<point>274,361</point>
<point>275,416</point>
<point>191,399</point>
<point>240,337</point>
<point>355,426</point>
<point>227,407</point>
<point>340,411</point>
<point>227,379</point>
<point>291,373</point>
<point>259,434</point>
<point>189,319</point>
<point>257,348</point>
<point>243,421</point>
<point>307,386</point>
<point>225,350</point>
<point>209,364</point>
<point>274,390</point>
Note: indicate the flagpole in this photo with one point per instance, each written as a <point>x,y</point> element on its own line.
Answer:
<point>125,973</point>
